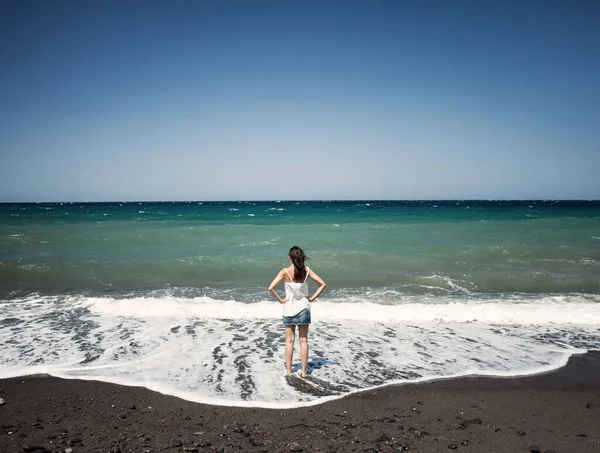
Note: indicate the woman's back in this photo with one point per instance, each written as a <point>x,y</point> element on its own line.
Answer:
<point>296,294</point>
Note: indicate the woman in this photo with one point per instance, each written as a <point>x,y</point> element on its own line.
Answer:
<point>296,305</point>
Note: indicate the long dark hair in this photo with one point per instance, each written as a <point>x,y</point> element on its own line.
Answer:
<point>298,257</point>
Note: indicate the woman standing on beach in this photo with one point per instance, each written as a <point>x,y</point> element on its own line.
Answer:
<point>296,305</point>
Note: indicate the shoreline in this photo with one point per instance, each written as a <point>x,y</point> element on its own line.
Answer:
<point>559,376</point>
<point>554,411</point>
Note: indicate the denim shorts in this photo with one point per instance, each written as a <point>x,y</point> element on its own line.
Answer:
<point>301,318</point>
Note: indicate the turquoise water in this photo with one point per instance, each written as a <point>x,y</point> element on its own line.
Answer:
<point>116,248</point>
<point>431,288</point>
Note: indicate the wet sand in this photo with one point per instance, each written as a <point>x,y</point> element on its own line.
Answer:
<point>558,411</point>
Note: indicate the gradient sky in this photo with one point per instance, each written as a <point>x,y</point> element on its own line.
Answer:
<point>230,100</point>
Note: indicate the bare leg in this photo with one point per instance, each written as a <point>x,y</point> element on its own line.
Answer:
<point>303,334</point>
<point>290,336</point>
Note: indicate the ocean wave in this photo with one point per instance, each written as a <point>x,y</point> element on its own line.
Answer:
<point>550,309</point>
<point>546,310</point>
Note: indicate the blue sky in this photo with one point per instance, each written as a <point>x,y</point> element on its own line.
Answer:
<point>229,100</point>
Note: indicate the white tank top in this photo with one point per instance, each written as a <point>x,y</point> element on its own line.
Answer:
<point>296,294</point>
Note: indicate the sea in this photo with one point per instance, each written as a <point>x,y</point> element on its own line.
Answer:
<point>173,296</point>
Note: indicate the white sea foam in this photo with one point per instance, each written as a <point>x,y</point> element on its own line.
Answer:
<point>227,352</point>
<point>546,310</point>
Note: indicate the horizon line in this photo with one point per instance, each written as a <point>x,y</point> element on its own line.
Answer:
<point>324,200</point>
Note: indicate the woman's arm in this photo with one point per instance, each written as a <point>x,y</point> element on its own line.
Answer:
<point>322,285</point>
<point>274,283</point>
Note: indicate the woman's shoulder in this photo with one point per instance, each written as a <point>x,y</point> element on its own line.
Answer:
<point>287,272</point>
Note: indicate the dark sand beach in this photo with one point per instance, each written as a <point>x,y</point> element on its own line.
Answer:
<point>558,411</point>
